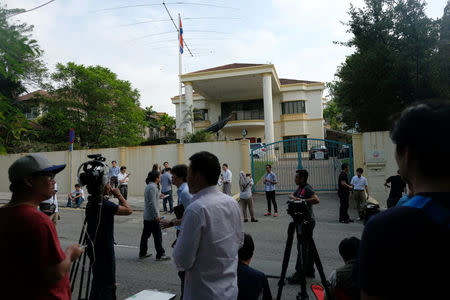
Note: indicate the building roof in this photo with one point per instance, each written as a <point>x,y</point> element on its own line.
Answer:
<point>284,81</point>
<point>227,67</point>
<point>32,95</point>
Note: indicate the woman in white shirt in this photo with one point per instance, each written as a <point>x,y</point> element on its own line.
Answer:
<point>245,185</point>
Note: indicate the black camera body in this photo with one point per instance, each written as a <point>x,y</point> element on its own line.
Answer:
<point>93,174</point>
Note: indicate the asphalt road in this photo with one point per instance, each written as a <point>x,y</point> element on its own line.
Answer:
<point>269,234</point>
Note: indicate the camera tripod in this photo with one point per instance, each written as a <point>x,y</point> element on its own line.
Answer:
<point>296,226</point>
<point>74,270</point>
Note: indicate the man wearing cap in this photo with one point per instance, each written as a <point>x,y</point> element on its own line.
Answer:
<point>33,265</point>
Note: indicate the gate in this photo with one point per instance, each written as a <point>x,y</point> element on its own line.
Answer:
<point>321,158</point>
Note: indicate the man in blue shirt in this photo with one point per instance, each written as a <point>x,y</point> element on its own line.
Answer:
<point>251,283</point>
<point>270,179</point>
<point>179,178</point>
<point>113,173</point>
<point>166,189</point>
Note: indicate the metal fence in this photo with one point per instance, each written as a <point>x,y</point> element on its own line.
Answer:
<point>321,158</point>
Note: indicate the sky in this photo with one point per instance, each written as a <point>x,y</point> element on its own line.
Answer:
<point>295,35</point>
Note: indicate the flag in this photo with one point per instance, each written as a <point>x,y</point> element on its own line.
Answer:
<point>181,38</point>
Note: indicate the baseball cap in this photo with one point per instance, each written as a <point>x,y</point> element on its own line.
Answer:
<point>32,163</point>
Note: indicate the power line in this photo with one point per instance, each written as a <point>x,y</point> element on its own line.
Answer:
<point>176,27</point>
<point>34,8</point>
<point>153,34</point>
<point>164,3</point>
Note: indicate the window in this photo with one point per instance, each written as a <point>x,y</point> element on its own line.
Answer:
<point>292,145</point>
<point>293,107</point>
<point>31,112</point>
<point>200,114</point>
<point>244,110</point>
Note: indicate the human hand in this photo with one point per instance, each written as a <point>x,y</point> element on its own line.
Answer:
<point>164,223</point>
<point>158,218</point>
<point>161,196</point>
<point>74,251</point>
<point>115,192</point>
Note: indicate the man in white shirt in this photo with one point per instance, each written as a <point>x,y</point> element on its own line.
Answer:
<point>359,184</point>
<point>123,181</point>
<point>210,236</point>
<point>226,179</point>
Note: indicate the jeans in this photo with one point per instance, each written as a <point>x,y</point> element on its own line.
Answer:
<point>151,227</point>
<point>270,196</point>
<point>168,198</point>
<point>343,208</point>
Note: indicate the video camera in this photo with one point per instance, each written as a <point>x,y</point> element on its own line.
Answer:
<point>93,174</point>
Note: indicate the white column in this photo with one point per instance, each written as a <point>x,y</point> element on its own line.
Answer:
<point>189,107</point>
<point>268,108</point>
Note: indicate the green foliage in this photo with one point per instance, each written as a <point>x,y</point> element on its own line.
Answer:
<point>394,45</point>
<point>161,122</point>
<point>259,169</point>
<point>332,115</point>
<point>199,137</point>
<point>441,61</point>
<point>20,64</point>
<point>103,110</point>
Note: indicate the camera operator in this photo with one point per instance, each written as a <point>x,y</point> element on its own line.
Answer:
<point>100,218</point>
<point>33,265</point>
<point>305,259</point>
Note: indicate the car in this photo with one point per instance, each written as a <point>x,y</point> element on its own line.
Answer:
<point>344,152</point>
<point>258,149</point>
<point>318,152</point>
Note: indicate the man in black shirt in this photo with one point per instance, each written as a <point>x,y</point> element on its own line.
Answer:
<point>404,252</point>
<point>398,187</point>
<point>343,193</point>
<point>305,259</point>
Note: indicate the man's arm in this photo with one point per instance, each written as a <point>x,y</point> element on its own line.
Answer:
<point>313,200</point>
<point>345,184</point>
<point>186,248</point>
<point>292,197</point>
<point>274,179</point>
<point>367,189</point>
<point>57,272</point>
<point>124,208</point>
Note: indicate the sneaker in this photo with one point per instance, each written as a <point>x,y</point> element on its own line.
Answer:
<point>267,214</point>
<point>145,256</point>
<point>162,258</point>
<point>254,220</point>
<point>245,220</point>
<point>275,214</point>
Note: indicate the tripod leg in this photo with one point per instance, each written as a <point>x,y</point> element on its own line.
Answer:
<point>74,270</point>
<point>88,285</point>
<point>325,283</point>
<point>83,270</point>
<point>287,254</point>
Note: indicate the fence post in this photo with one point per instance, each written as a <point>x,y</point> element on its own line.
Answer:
<point>245,144</point>
<point>299,154</point>
<point>180,153</point>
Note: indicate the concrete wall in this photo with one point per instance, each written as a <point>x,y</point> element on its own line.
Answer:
<point>139,161</point>
<point>375,153</point>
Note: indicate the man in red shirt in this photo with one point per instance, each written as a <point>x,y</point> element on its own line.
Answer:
<point>32,263</point>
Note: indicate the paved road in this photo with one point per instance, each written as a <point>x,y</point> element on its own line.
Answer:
<point>134,275</point>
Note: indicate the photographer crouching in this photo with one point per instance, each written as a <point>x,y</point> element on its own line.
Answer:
<point>305,259</point>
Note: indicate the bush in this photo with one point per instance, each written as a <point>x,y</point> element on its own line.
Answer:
<point>199,137</point>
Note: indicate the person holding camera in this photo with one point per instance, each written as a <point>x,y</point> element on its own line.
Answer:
<point>246,198</point>
<point>33,265</point>
<point>100,227</point>
<point>305,259</point>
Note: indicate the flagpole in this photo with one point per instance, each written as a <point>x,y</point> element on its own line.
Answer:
<point>179,76</point>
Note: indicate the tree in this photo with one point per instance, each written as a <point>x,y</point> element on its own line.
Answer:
<point>441,61</point>
<point>332,115</point>
<point>394,43</point>
<point>103,110</point>
<point>161,122</point>
<point>20,64</point>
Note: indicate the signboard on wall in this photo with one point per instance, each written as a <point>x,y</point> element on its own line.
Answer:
<point>375,155</point>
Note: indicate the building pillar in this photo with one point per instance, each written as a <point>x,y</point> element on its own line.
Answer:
<point>189,107</point>
<point>180,153</point>
<point>358,158</point>
<point>268,108</point>
<point>245,155</point>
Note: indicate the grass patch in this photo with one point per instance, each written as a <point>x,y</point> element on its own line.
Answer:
<point>259,168</point>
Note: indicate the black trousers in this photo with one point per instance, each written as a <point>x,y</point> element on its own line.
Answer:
<point>343,207</point>
<point>270,196</point>
<point>124,190</point>
<point>392,201</point>
<point>181,274</point>
<point>305,256</point>
<point>151,227</point>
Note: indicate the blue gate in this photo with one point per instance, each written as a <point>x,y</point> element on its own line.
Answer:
<point>322,159</point>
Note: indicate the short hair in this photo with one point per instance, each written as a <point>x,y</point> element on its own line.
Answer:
<point>152,176</point>
<point>360,170</point>
<point>166,162</point>
<point>303,173</point>
<point>226,165</point>
<point>77,185</point>
<point>122,168</point>
<point>349,247</point>
<point>114,161</point>
<point>247,249</point>
<point>344,166</point>
<point>206,164</point>
<point>420,129</point>
<point>180,171</point>
<point>270,166</point>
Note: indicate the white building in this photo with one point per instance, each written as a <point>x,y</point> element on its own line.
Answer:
<point>269,108</point>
